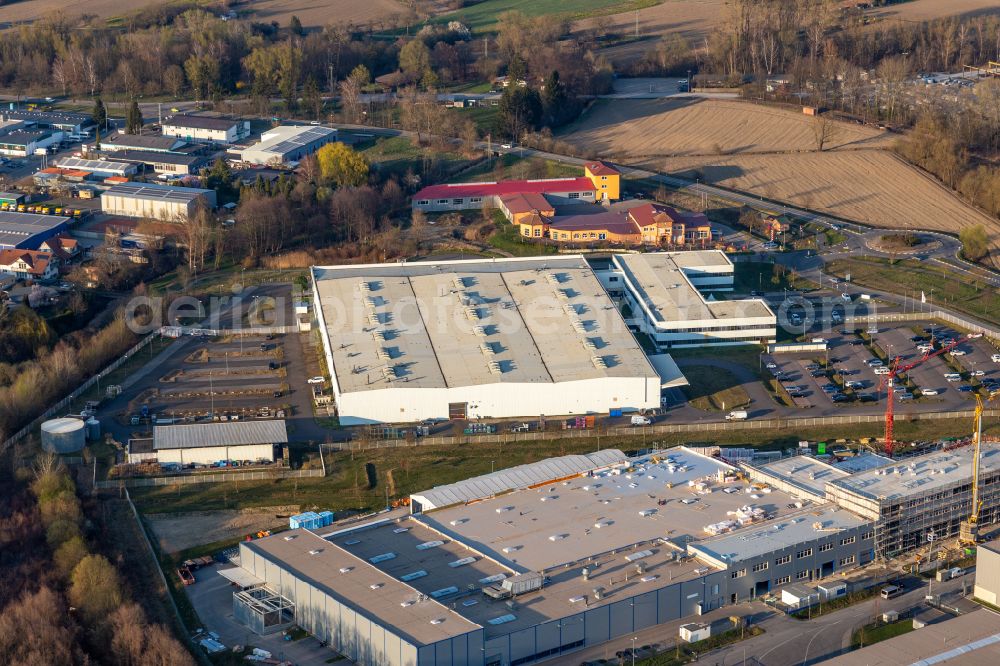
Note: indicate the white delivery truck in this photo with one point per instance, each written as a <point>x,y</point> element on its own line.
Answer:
<point>641,420</point>
<point>737,415</point>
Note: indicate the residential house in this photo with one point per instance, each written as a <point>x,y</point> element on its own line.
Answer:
<point>61,247</point>
<point>29,264</point>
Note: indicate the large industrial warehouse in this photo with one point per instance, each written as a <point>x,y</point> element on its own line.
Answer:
<point>543,559</point>
<point>479,339</point>
<point>539,560</point>
<point>663,291</point>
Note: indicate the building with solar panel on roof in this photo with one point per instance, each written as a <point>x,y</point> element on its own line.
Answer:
<point>287,144</point>
<point>158,202</point>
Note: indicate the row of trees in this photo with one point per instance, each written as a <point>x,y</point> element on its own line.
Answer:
<point>62,604</point>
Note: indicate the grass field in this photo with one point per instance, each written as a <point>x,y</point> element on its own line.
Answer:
<point>481,16</point>
<point>421,467</point>
<point>506,238</point>
<point>32,10</point>
<point>941,286</point>
<point>875,633</point>
<point>714,389</point>
<point>641,129</point>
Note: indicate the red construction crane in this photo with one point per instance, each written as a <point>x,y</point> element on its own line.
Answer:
<point>895,370</point>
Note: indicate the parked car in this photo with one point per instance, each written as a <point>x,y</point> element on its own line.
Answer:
<point>315,380</point>
<point>995,358</point>
<point>929,391</point>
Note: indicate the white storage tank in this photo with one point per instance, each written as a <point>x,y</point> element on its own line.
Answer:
<point>65,435</point>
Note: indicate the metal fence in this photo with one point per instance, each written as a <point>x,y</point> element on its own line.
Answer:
<point>223,477</point>
<point>80,390</point>
<point>942,315</point>
<point>649,431</point>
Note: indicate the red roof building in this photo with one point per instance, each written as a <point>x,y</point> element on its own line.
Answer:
<point>24,264</point>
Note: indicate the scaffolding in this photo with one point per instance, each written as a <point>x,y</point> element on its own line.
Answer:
<point>263,611</point>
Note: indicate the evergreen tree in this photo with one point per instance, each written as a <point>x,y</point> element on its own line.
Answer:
<point>99,114</point>
<point>520,110</point>
<point>555,102</point>
<point>133,119</point>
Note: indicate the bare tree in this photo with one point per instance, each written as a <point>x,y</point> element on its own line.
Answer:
<point>823,131</point>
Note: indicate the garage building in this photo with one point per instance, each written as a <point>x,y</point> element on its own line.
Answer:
<point>477,339</point>
<point>159,202</point>
<point>206,443</point>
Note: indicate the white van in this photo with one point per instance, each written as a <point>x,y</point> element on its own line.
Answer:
<point>737,415</point>
<point>641,421</point>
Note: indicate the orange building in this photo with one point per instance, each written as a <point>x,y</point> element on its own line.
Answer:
<point>606,180</point>
<point>648,224</point>
<point>519,206</point>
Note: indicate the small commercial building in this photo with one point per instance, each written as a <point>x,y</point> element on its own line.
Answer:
<point>988,573</point>
<point>64,121</point>
<point>798,595</point>
<point>287,144</point>
<point>27,231</point>
<point>156,143</point>
<point>198,128</point>
<point>208,443</point>
<point>158,202</point>
<point>23,143</point>
<point>173,164</point>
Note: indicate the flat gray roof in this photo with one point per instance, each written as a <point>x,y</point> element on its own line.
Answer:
<point>95,165</point>
<point>805,472</point>
<point>142,140</point>
<point>442,324</point>
<point>155,192</point>
<point>790,530</point>
<point>200,122</point>
<point>232,433</point>
<point>412,545</point>
<point>920,474</point>
<point>15,228</point>
<point>544,528</point>
<point>286,138</point>
<point>367,589</point>
<point>662,283</point>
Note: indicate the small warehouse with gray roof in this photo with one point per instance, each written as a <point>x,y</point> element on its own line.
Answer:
<point>158,202</point>
<point>207,443</point>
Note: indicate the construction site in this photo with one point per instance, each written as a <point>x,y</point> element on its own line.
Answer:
<point>535,561</point>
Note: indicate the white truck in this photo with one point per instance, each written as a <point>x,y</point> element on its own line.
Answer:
<point>737,415</point>
<point>641,421</point>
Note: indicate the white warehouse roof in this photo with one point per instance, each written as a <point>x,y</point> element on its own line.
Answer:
<point>522,476</point>
<point>233,433</point>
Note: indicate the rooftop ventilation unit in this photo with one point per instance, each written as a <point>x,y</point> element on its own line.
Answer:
<point>459,282</point>
<point>495,368</point>
<point>479,330</point>
<point>589,344</point>
<point>444,591</point>
<point>379,336</point>
<point>383,354</point>
<point>487,349</point>
<point>552,278</point>
<point>598,362</point>
<point>314,552</point>
<point>370,302</point>
<point>373,319</point>
<point>406,578</point>
<point>344,570</point>
<point>472,313</point>
<point>562,295</point>
<point>429,544</point>
<point>462,562</point>
<point>382,558</point>
<point>579,326</point>
<point>364,286</point>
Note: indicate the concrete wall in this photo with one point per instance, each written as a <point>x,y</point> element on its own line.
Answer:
<point>988,575</point>
<point>210,454</point>
<point>398,404</point>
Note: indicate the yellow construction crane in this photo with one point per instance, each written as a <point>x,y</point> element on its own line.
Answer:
<point>969,529</point>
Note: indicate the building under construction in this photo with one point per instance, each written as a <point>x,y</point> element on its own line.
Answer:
<point>923,498</point>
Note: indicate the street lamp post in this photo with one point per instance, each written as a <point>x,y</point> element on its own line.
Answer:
<point>634,639</point>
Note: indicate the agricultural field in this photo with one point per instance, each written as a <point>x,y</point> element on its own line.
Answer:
<point>641,129</point>
<point>925,10</point>
<point>32,10</point>
<point>870,186</point>
<point>319,13</point>
<point>691,19</point>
